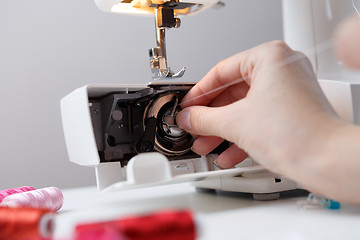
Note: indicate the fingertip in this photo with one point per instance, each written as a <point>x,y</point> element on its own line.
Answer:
<point>224,163</point>
<point>198,149</point>
<point>183,120</point>
<point>347,44</point>
<point>231,157</point>
<point>201,120</point>
<point>205,144</point>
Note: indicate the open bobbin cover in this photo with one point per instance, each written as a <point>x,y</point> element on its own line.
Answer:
<point>129,134</point>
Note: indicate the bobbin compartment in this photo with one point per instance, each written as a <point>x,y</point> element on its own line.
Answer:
<point>105,126</point>
<point>134,121</point>
<point>129,134</point>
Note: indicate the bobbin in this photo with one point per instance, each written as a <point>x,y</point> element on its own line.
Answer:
<point>170,139</point>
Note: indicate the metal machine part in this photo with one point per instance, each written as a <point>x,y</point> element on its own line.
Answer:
<point>165,12</point>
<point>132,122</point>
<point>164,18</point>
<point>170,139</point>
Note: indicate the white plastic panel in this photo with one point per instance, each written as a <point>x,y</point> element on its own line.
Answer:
<point>355,93</point>
<point>78,129</point>
<point>213,177</point>
<point>108,174</point>
<point>309,26</point>
<point>298,23</point>
<point>344,96</point>
<point>339,95</point>
<point>148,168</point>
<point>77,124</point>
<point>257,184</point>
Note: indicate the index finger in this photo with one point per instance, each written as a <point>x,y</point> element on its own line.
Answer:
<point>226,73</point>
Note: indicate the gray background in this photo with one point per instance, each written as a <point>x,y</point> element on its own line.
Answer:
<point>50,47</point>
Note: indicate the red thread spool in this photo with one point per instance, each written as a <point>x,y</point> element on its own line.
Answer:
<point>165,225</point>
<point>25,223</point>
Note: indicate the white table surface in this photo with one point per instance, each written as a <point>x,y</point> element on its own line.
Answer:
<point>221,215</point>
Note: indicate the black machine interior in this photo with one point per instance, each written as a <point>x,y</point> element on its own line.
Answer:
<point>132,122</point>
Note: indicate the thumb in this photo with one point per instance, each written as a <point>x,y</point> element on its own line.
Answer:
<point>202,120</point>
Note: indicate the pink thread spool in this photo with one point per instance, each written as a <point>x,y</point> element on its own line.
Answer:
<point>8,192</point>
<point>47,198</point>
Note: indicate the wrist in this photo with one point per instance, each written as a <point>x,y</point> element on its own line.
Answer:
<point>315,153</point>
<point>321,166</point>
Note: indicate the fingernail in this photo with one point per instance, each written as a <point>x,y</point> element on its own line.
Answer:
<point>217,165</point>
<point>183,120</point>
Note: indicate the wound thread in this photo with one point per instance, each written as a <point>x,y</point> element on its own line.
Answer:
<point>165,225</point>
<point>7,192</point>
<point>356,8</point>
<point>50,198</point>
<point>25,223</point>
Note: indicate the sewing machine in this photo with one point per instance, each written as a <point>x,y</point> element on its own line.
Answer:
<point>313,35</point>
<point>129,133</point>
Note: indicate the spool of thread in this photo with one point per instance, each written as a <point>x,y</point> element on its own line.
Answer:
<point>25,223</point>
<point>165,225</point>
<point>8,192</point>
<point>48,198</point>
<point>101,233</point>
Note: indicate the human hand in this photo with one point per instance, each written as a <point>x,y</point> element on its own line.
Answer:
<point>347,42</point>
<point>275,111</point>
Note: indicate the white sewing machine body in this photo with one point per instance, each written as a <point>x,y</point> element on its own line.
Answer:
<point>149,169</point>
<point>79,116</point>
<point>121,157</point>
<point>309,26</point>
<point>125,131</point>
